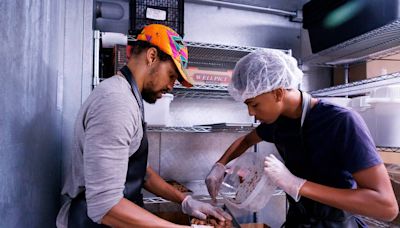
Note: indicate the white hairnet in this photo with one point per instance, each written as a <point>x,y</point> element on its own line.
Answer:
<point>263,71</point>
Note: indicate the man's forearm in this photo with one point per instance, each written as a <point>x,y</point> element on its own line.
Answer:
<point>374,196</point>
<point>156,185</point>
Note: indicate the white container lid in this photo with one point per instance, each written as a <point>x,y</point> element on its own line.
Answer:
<point>360,102</point>
<point>387,94</point>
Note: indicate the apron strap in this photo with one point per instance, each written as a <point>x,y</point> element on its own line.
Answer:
<point>135,90</point>
<point>305,106</point>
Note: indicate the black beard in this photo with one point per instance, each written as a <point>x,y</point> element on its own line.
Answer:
<point>149,96</point>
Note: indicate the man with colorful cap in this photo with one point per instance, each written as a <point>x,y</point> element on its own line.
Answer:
<point>109,161</point>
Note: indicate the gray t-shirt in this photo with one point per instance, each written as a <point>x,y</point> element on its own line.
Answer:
<point>108,130</point>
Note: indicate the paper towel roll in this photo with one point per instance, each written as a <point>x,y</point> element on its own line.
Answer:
<point>109,39</point>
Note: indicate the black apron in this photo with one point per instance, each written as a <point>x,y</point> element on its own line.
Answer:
<point>137,165</point>
<point>309,213</point>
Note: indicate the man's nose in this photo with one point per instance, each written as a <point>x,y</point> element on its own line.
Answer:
<point>251,112</point>
<point>170,86</point>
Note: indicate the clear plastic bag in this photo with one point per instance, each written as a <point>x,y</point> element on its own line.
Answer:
<point>245,185</point>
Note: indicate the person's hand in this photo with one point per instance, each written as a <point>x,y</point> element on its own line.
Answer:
<point>282,177</point>
<point>214,180</point>
<point>200,210</point>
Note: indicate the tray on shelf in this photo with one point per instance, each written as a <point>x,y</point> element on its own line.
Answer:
<point>216,127</point>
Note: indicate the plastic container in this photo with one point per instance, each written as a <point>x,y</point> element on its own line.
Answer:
<point>158,114</point>
<point>245,186</point>
<point>386,104</point>
<point>366,111</point>
<point>166,12</point>
<point>341,101</point>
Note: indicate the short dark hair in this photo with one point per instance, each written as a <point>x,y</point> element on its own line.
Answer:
<point>139,46</point>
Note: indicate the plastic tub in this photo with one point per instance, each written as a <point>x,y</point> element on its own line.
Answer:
<point>246,186</point>
<point>386,104</point>
<point>366,111</point>
<point>157,114</point>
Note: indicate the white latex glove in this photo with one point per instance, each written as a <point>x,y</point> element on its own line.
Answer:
<point>214,180</point>
<point>200,210</point>
<point>282,177</point>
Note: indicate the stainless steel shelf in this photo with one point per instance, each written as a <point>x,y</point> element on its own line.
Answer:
<point>200,129</point>
<point>388,149</point>
<point>178,129</point>
<point>202,91</point>
<point>359,87</point>
<point>377,43</point>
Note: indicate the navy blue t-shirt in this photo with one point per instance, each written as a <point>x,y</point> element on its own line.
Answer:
<point>335,142</point>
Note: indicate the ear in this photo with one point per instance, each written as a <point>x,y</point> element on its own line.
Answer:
<point>279,93</point>
<point>151,56</point>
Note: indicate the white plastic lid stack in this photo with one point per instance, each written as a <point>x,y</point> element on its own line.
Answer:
<point>366,111</point>
<point>386,105</point>
<point>360,103</point>
<point>246,186</point>
<point>386,94</point>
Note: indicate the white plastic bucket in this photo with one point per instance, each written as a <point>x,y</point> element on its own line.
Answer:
<point>157,114</point>
<point>386,104</point>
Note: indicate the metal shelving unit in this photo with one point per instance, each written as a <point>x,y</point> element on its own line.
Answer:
<point>358,87</point>
<point>377,43</point>
<point>200,129</point>
<point>214,56</point>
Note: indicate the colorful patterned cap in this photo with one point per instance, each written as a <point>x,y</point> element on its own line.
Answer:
<point>172,44</point>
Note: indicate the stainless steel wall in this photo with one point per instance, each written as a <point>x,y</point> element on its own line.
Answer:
<point>315,77</point>
<point>42,52</point>
<point>222,25</point>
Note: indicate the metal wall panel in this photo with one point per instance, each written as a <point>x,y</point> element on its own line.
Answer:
<point>30,137</point>
<point>154,150</point>
<point>46,54</point>
<point>189,112</point>
<point>77,68</point>
<point>190,156</point>
<point>315,76</point>
<point>221,25</point>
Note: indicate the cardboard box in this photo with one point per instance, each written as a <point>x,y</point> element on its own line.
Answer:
<point>370,69</point>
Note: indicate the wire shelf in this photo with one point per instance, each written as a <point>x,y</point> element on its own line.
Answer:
<point>359,87</point>
<point>202,91</point>
<point>178,129</point>
<point>379,42</point>
<point>218,55</point>
<point>200,129</point>
<point>388,149</point>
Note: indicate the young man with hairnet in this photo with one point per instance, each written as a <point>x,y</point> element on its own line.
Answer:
<point>331,170</point>
<point>109,161</point>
